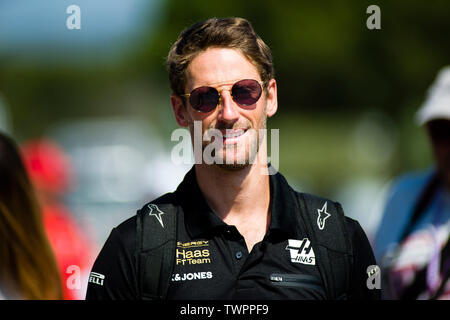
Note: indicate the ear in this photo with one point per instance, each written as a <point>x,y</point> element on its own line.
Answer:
<point>179,110</point>
<point>272,100</point>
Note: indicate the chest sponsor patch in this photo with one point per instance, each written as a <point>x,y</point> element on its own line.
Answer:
<point>192,276</point>
<point>194,252</point>
<point>301,251</point>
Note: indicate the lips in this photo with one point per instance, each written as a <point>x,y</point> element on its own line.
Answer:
<point>232,136</point>
<point>233,133</point>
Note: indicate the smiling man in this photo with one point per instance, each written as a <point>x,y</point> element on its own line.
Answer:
<point>232,229</point>
<point>226,76</point>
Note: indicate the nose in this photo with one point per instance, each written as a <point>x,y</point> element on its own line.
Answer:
<point>229,109</point>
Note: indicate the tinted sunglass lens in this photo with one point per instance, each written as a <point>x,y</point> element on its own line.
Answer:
<point>204,99</point>
<point>246,92</point>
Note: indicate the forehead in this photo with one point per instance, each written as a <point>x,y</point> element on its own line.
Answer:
<point>216,66</point>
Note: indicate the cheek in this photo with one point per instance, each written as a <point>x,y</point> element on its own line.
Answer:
<point>256,116</point>
<point>197,117</point>
<point>262,116</point>
<point>201,124</point>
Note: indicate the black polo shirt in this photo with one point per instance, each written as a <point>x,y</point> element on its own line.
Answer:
<point>212,260</point>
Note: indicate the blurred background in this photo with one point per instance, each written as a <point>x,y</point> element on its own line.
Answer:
<point>347,95</point>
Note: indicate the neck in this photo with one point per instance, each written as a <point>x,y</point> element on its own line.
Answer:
<point>239,197</point>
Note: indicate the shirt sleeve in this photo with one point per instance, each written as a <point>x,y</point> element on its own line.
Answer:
<point>363,258</point>
<point>113,276</point>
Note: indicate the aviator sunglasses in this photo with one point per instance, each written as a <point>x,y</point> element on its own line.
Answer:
<point>244,92</point>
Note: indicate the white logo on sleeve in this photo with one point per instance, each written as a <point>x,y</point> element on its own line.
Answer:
<point>154,211</point>
<point>301,251</point>
<point>96,278</point>
<point>322,216</point>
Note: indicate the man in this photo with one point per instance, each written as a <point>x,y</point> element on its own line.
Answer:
<point>241,232</point>
<point>412,240</point>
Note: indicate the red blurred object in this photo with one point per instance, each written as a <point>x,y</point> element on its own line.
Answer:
<point>48,166</point>
<point>50,171</point>
<point>70,247</point>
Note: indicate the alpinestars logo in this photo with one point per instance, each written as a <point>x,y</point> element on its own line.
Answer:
<point>301,251</point>
<point>322,216</point>
<point>154,211</point>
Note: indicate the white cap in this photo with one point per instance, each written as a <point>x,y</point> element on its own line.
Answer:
<point>437,105</point>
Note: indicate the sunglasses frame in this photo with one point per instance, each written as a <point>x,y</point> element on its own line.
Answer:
<point>261,83</point>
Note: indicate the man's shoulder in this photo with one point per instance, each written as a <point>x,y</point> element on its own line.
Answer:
<point>352,228</point>
<point>352,225</point>
<point>127,228</point>
<point>321,210</point>
<point>168,198</point>
<point>319,201</point>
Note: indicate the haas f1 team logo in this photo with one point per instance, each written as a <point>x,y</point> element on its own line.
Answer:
<point>301,251</point>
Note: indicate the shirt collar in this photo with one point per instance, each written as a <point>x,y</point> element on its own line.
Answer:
<point>200,219</point>
<point>285,211</point>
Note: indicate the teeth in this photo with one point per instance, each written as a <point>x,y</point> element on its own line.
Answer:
<point>234,133</point>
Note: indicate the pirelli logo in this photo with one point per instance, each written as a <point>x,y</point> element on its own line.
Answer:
<point>96,278</point>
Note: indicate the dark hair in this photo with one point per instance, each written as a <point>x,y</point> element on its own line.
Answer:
<point>28,268</point>
<point>234,33</point>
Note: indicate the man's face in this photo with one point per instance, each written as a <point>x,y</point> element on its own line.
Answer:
<point>221,68</point>
<point>439,131</point>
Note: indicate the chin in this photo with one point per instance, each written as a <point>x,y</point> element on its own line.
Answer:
<point>233,163</point>
<point>233,167</point>
<point>237,165</point>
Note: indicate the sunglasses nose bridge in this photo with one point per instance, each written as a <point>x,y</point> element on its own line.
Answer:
<point>221,95</point>
<point>228,107</point>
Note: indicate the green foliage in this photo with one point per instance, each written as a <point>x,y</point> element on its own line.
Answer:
<point>330,70</point>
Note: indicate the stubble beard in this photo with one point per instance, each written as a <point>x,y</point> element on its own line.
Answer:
<point>251,149</point>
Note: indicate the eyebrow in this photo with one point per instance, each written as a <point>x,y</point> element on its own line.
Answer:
<point>228,82</point>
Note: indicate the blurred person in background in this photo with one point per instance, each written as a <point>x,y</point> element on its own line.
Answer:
<point>50,171</point>
<point>412,242</point>
<point>28,269</point>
